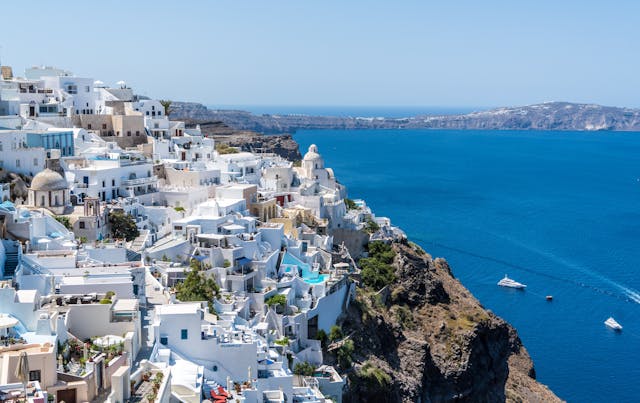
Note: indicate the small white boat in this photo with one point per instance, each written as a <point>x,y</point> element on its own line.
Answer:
<point>507,282</point>
<point>612,324</point>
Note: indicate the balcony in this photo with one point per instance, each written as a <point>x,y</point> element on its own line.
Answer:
<point>140,181</point>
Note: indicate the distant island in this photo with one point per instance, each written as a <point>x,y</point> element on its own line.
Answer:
<point>545,116</point>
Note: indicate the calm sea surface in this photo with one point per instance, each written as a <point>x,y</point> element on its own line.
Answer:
<point>558,211</point>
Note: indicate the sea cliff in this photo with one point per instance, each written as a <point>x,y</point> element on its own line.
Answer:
<point>425,338</point>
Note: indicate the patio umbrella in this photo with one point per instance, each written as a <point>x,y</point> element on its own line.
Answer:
<point>22,370</point>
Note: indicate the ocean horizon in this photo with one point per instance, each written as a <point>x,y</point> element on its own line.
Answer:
<point>557,211</point>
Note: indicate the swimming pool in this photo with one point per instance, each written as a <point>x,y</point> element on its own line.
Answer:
<point>320,279</point>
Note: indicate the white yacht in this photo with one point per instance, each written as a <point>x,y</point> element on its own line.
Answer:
<point>507,282</point>
<point>612,324</point>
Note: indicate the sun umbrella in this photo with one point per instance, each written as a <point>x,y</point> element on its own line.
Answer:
<point>22,370</point>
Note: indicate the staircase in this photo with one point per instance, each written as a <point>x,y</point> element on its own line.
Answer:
<point>12,253</point>
<point>140,242</point>
<point>133,256</point>
<point>11,263</point>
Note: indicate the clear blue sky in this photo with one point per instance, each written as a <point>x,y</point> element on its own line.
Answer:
<point>445,53</point>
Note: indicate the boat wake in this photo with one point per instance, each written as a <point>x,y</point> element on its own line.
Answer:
<point>625,294</point>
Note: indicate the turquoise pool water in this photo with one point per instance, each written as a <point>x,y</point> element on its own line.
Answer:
<point>320,279</point>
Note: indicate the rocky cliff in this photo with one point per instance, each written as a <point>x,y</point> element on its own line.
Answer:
<point>427,339</point>
<point>546,116</point>
<point>246,140</point>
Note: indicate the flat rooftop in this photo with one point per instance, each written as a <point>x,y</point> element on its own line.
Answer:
<point>178,309</point>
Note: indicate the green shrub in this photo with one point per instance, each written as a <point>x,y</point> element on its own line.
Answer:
<point>304,368</point>
<point>278,299</point>
<point>105,301</point>
<point>373,377</point>
<point>371,227</point>
<point>345,354</point>
<point>123,226</point>
<point>283,341</point>
<point>351,205</point>
<point>222,148</point>
<point>322,336</point>
<point>335,333</point>
<point>376,269</point>
<point>64,220</point>
<point>197,286</point>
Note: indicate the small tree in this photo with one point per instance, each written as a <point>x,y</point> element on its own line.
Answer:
<point>123,226</point>
<point>335,333</point>
<point>166,104</point>
<point>322,336</point>
<point>64,220</point>
<point>371,227</point>
<point>197,286</point>
<point>351,205</point>
<point>304,368</point>
<point>278,299</point>
<point>344,354</point>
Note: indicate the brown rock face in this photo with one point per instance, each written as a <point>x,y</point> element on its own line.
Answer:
<point>435,342</point>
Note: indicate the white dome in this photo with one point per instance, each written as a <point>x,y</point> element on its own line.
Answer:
<point>49,180</point>
<point>312,154</point>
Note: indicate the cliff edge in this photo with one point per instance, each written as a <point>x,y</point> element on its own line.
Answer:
<point>425,338</point>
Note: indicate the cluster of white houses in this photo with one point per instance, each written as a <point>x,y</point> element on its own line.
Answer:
<point>97,318</point>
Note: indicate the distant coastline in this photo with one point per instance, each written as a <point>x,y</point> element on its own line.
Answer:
<point>343,111</point>
<point>547,116</point>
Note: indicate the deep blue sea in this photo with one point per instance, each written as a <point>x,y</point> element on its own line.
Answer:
<point>558,211</point>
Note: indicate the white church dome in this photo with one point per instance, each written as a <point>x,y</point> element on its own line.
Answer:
<point>49,180</point>
<point>312,154</point>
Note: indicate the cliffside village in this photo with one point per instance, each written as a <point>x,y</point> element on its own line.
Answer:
<point>123,207</point>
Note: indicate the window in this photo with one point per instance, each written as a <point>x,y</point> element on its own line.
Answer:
<point>0,146</point>
<point>81,225</point>
<point>17,163</point>
<point>129,133</point>
<point>137,132</point>
<point>147,113</point>
<point>87,89</point>
<point>34,375</point>
<point>35,162</point>
<point>104,126</point>
<point>103,184</point>
<point>184,334</point>
<point>113,182</point>
<point>89,126</point>
<point>164,340</point>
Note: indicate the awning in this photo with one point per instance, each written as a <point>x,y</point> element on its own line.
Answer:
<point>243,261</point>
